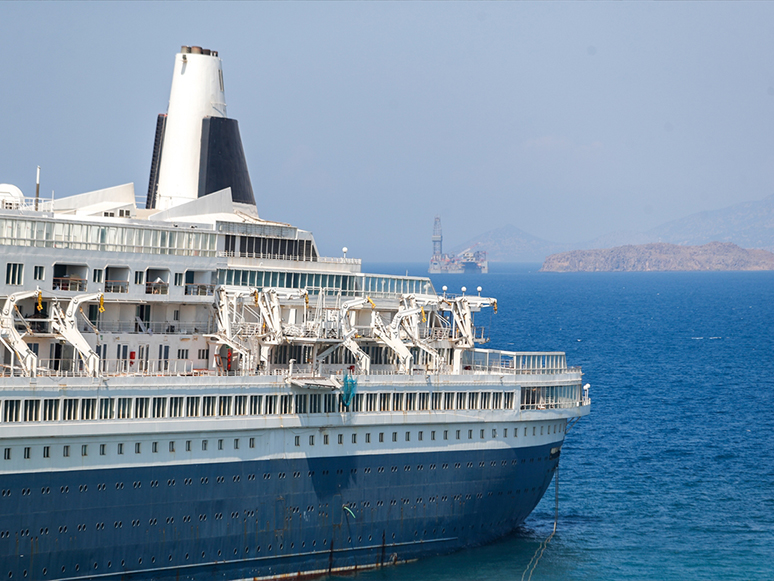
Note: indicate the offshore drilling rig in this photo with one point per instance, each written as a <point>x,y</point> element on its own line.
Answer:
<point>469,260</point>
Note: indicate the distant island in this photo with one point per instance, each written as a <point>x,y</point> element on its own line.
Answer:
<point>661,257</point>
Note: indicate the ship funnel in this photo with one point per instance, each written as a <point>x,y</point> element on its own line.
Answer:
<point>198,149</point>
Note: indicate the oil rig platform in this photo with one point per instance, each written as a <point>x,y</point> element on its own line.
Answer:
<point>469,260</point>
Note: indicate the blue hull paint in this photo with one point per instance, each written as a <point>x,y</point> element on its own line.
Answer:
<point>256,519</point>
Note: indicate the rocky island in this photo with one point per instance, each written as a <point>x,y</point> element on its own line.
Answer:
<point>661,257</point>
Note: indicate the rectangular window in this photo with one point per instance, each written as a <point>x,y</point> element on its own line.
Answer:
<point>50,410</point>
<point>137,448</point>
<point>14,273</point>
<point>65,451</point>
<point>84,450</point>
<point>31,410</point>
<point>204,445</point>
<point>298,440</point>
<point>381,436</point>
<point>102,449</point>
<point>470,434</point>
<point>46,451</point>
<point>286,404</point>
<point>252,442</point>
<point>88,408</point>
<point>178,279</point>
<point>192,406</point>
<point>419,435</point>
<point>325,439</point>
<point>458,434</point>
<point>188,445</point>
<point>155,447</point>
<point>7,454</point>
<point>208,405</point>
<point>395,436</point>
<point>39,273</point>
<point>159,407</point>
<point>182,353</point>
<point>124,408</point>
<point>482,434</point>
<point>106,408</point>
<point>354,438</point>
<point>120,448</point>
<point>220,444</point>
<point>368,438</point>
<point>97,275</point>
<point>224,405</point>
<point>408,436</point>
<point>341,438</point>
<point>26,453</point>
<point>432,435</point>
<point>204,354</point>
<point>311,440</point>
<point>172,446</point>
<point>141,407</point>
<point>446,434</point>
<point>139,277</point>
<point>176,407</point>
<point>236,443</point>
<point>11,410</point>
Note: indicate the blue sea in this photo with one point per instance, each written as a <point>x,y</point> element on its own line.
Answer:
<point>672,474</point>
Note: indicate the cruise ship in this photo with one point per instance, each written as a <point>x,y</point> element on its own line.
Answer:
<point>190,391</point>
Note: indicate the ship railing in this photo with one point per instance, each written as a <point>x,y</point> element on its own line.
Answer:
<point>116,286</point>
<point>478,361</point>
<point>39,204</point>
<point>69,283</point>
<point>157,327</point>
<point>116,367</point>
<point>338,260</point>
<point>200,290</point>
<point>157,288</point>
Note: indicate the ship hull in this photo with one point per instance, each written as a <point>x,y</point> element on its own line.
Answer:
<point>270,518</point>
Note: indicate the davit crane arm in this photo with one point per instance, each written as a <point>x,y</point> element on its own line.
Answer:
<point>64,324</point>
<point>13,339</point>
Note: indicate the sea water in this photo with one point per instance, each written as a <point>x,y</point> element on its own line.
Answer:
<point>671,476</point>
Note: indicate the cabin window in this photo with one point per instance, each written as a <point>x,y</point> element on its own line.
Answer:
<point>139,277</point>
<point>39,273</point>
<point>97,275</point>
<point>14,273</point>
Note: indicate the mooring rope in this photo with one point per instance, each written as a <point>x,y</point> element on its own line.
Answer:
<point>542,547</point>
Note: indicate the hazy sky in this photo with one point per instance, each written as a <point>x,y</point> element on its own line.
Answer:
<point>361,121</point>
